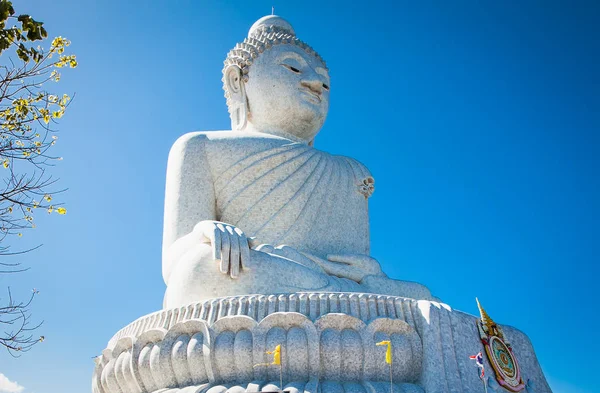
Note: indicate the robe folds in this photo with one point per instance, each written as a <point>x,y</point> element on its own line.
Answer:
<point>293,194</point>
<point>281,192</point>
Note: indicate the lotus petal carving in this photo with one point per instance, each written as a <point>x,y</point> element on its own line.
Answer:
<point>195,355</point>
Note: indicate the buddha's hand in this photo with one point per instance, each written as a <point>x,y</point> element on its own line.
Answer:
<point>352,266</point>
<point>229,245</point>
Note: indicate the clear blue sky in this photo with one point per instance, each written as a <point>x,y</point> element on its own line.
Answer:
<point>479,120</point>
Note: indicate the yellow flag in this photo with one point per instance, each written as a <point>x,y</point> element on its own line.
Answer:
<point>276,355</point>
<point>388,352</point>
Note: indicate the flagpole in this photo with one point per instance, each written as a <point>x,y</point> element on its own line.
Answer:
<point>276,362</point>
<point>391,380</point>
<point>388,360</point>
<point>479,363</point>
<point>281,377</point>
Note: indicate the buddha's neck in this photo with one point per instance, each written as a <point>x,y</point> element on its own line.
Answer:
<point>279,133</point>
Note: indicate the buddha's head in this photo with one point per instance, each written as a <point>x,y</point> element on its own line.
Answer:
<point>275,83</point>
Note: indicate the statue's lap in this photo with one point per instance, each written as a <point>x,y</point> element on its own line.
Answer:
<point>266,273</point>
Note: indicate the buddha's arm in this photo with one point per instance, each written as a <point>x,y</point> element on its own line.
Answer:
<point>189,196</point>
<point>366,271</point>
<point>388,286</point>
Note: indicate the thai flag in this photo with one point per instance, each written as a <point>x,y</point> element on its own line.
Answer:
<point>479,360</point>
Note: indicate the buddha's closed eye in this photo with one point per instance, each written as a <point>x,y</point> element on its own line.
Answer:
<point>291,68</point>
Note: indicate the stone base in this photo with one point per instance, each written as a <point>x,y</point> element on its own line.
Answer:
<point>327,342</point>
<point>299,387</point>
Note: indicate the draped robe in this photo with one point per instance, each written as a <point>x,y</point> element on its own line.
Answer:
<point>282,193</point>
<point>278,191</point>
<point>289,193</point>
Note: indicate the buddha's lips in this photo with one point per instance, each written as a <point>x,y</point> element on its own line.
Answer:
<point>314,96</point>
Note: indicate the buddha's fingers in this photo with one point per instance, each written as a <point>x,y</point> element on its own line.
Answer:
<point>215,239</point>
<point>319,261</point>
<point>336,268</point>
<point>225,250</point>
<point>349,259</point>
<point>253,242</point>
<point>244,249</point>
<point>344,271</point>
<point>364,264</point>
<point>298,257</point>
<point>267,248</point>
<point>234,254</point>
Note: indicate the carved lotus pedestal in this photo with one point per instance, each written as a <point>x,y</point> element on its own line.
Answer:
<point>327,343</point>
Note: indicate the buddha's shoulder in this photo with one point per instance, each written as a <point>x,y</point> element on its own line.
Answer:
<point>360,171</point>
<point>216,141</point>
<point>224,146</point>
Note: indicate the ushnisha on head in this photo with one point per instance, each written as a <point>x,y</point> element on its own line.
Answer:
<point>275,83</point>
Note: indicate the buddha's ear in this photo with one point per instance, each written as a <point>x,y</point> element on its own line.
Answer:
<point>238,108</point>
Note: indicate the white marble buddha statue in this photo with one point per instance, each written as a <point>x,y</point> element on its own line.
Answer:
<point>258,209</point>
<point>255,215</point>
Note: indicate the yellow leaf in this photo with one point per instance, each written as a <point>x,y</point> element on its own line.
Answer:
<point>57,41</point>
<point>61,210</point>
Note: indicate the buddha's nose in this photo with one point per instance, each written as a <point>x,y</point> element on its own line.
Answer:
<point>314,84</point>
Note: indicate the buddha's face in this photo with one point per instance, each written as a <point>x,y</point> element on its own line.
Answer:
<point>287,91</point>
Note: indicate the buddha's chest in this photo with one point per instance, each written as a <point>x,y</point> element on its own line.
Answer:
<point>297,195</point>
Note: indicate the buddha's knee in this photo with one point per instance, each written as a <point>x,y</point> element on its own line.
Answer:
<point>189,275</point>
